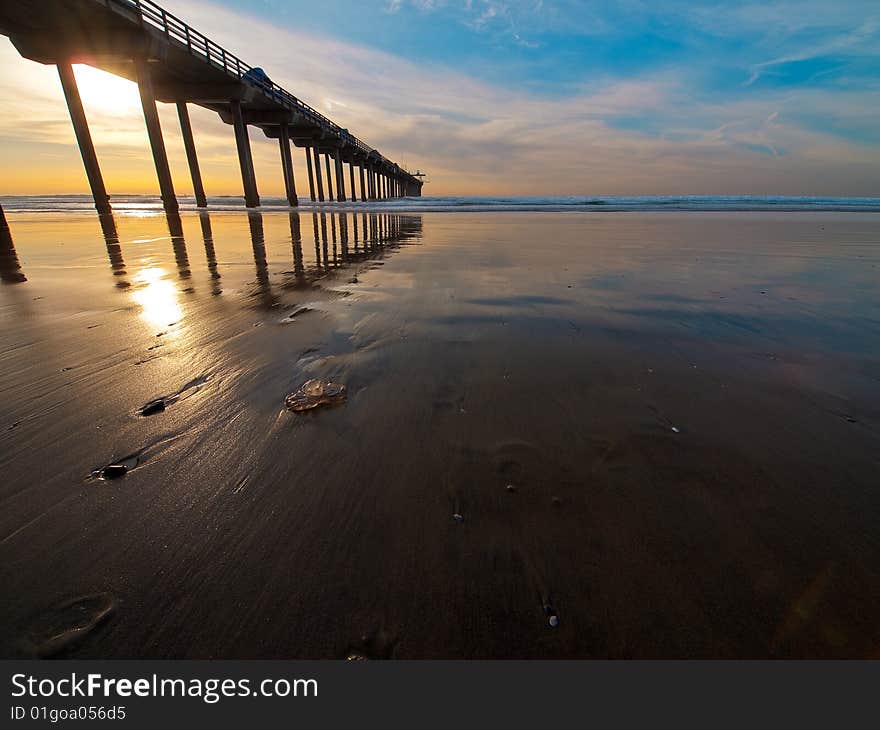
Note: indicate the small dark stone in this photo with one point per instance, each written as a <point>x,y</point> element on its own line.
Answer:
<point>114,471</point>
<point>154,406</point>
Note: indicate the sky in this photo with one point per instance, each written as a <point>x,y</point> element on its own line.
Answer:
<point>506,97</point>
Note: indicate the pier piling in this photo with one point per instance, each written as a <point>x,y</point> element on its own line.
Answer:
<point>311,176</point>
<point>340,177</point>
<point>154,132</point>
<point>192,160</point>
<point>287,165</point>
<point>317,157</point>
<point>245,160</point>
<point>329,176</point>
<point>84,138</point>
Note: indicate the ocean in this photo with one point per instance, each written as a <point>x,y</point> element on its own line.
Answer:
<point>141,203</point>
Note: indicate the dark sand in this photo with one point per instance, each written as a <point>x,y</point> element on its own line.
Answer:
<point>554,352</point>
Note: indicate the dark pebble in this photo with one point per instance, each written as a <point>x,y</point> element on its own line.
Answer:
<point>154,406</point>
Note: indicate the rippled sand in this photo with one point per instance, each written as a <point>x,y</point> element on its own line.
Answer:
<point>659,428</point>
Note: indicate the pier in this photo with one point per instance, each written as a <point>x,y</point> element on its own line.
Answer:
<point>173,63</point>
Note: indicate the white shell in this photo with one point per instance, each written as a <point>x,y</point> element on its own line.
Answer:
<point>553,621</point>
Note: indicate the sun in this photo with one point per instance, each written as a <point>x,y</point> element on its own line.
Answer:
<point>105,92</point>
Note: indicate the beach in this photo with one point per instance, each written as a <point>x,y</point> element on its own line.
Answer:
<point>659,428</point>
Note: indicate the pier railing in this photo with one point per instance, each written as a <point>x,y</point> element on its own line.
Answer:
<point>148,13</point>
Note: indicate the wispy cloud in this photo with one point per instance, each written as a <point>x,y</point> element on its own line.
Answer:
<point>863,40</point>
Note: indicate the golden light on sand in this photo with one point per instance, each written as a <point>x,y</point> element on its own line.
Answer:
<point>105,92</point>
<point>157,297</point>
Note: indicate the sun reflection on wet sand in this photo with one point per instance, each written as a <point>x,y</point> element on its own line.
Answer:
<point>157,297</point>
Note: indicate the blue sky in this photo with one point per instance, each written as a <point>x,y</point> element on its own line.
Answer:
<point>562,96</point>
<point>552,47</point>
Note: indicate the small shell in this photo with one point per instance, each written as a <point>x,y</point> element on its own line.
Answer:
<point>457,517</point>
<point>553,621</point>
<point>314,393</point>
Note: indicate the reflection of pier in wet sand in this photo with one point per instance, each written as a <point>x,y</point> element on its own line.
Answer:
<point>10,268</point>
<point>339,240</point>
<point>334,246</point>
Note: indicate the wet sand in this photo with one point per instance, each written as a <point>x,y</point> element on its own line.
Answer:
<point>662,428</point>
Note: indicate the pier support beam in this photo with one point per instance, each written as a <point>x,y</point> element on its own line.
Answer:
<point>192,160</point>
<point>340,177</point>
<point>353,194</point>
<point>311,176</point>
<point>245,160</point>
<point>317,157</point>
<point>84,138</point>
<point>363,186</point>
<point>154,132</point>
<point>329,177</point>
<point>287,165</point>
